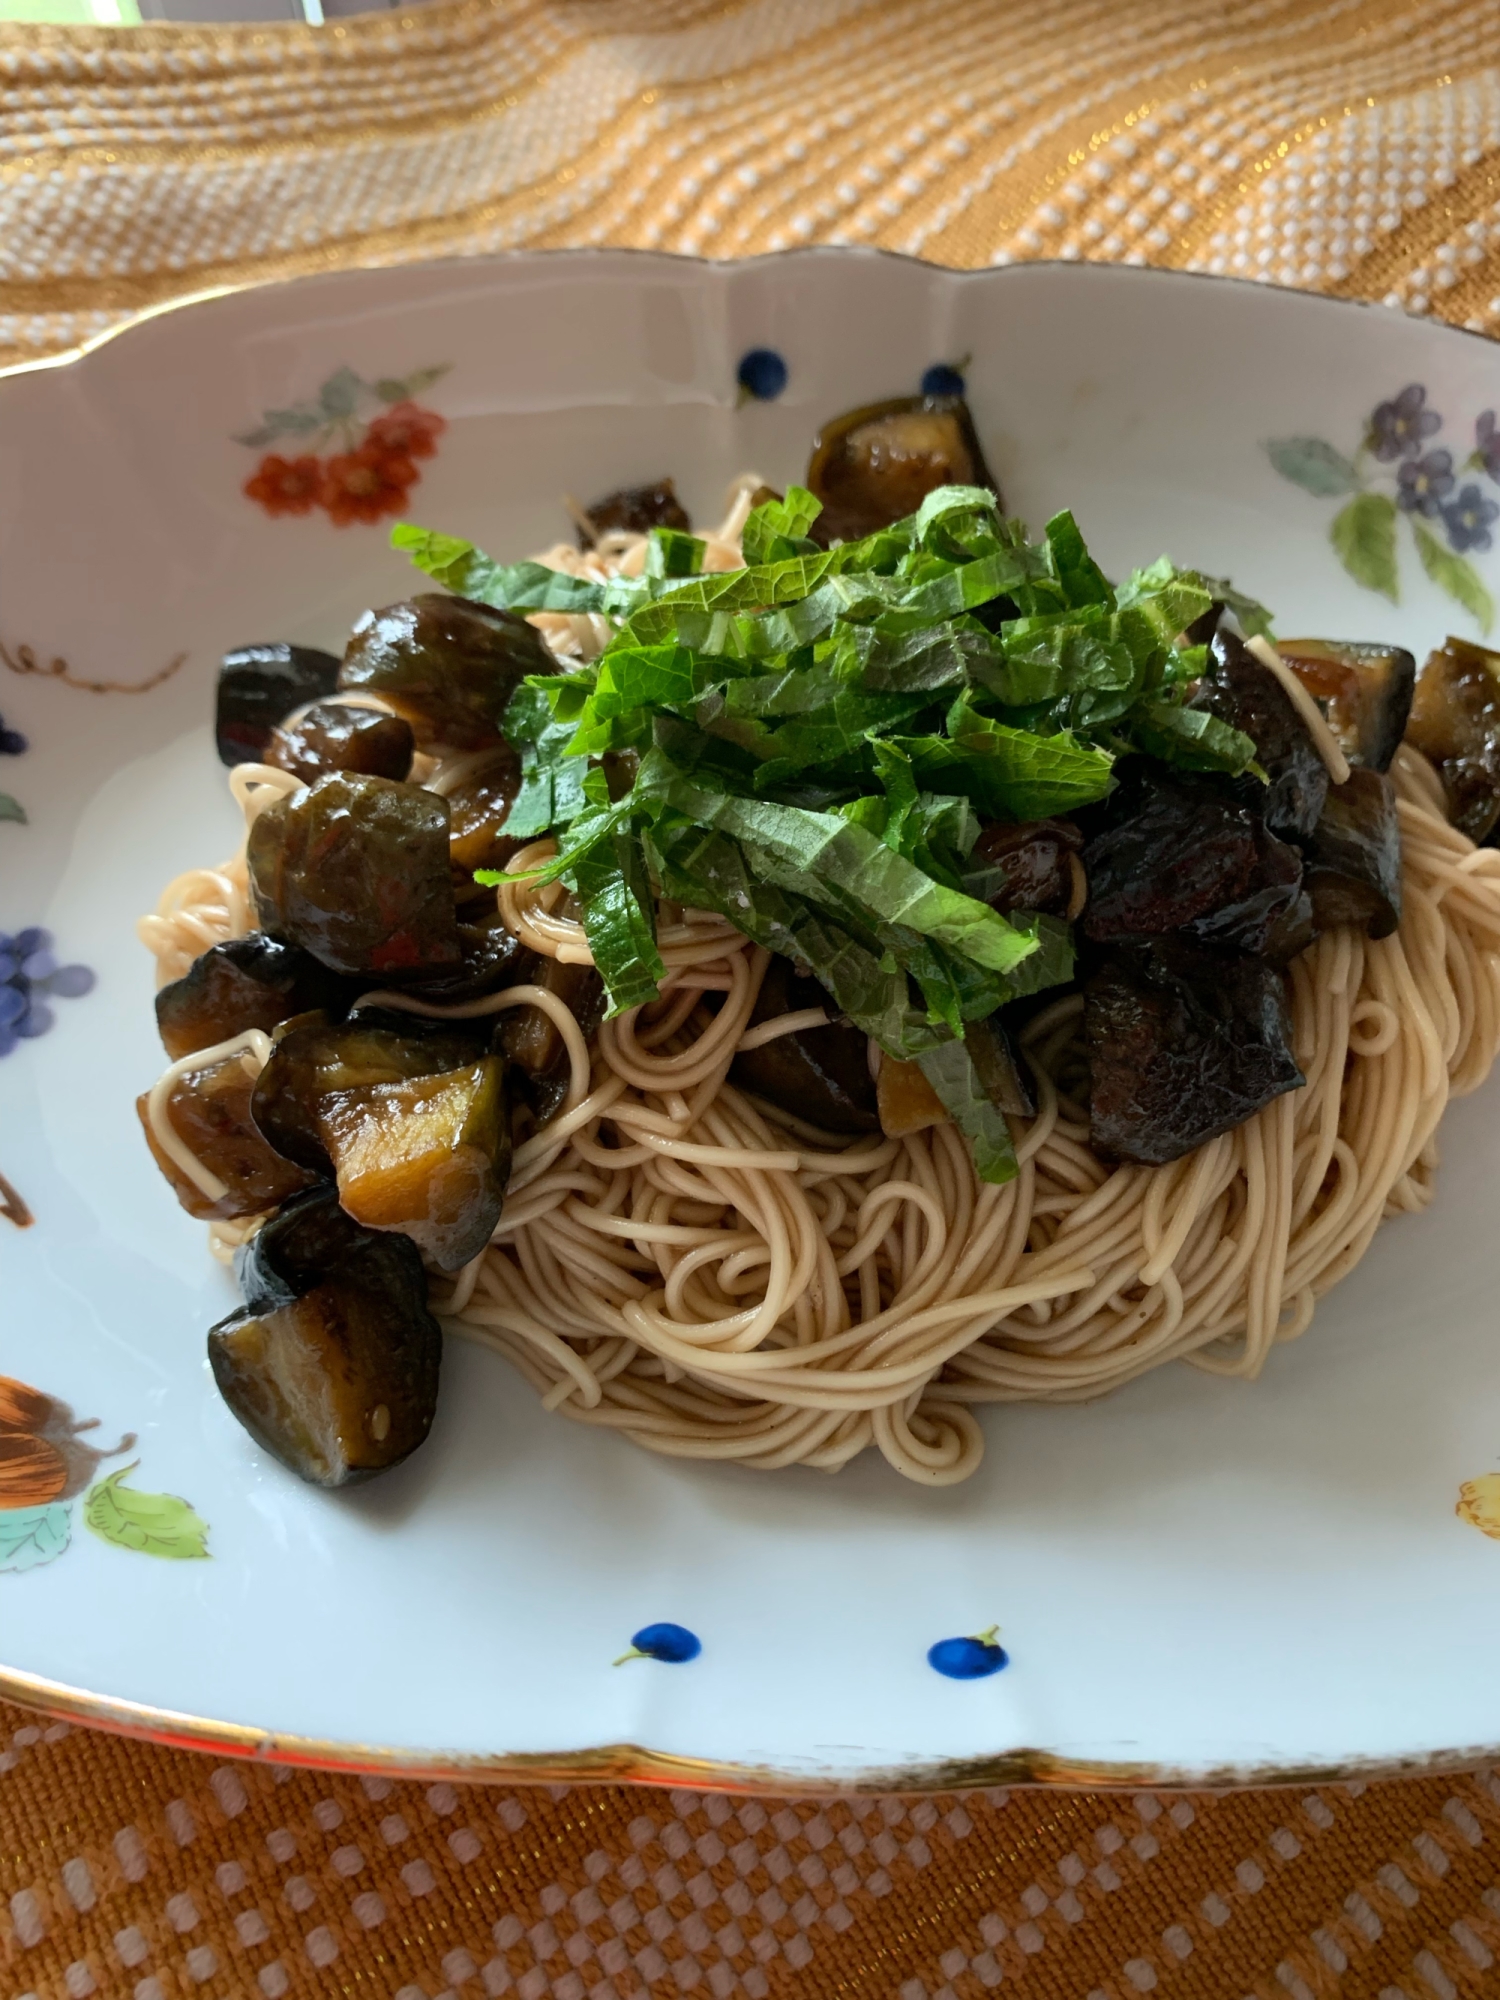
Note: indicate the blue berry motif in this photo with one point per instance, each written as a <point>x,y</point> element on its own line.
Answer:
<point>674,1644</point>
<point>762,375</point>
<point>943,379</point>
<point>29,977</point>
<point>971,1659</point>
<point>12,742</point>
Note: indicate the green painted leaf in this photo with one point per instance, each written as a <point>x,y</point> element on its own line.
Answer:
<point>1313,465</point>
<point>31,1536</point>
<point>12,809</point>
<point>1457,576</point>
<point>1364,533</point>
<point>340,393</point>
<point>153,1524</point>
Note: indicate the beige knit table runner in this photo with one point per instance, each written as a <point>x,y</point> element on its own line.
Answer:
<point>1350,146</point>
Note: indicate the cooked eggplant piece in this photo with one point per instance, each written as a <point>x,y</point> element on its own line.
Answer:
<point>330,737</point>
<point>448,665</point>
<point>528,1039</point>
<point>209,1110</point>
<point>1354,863</point>
<point>906,1101</point>
<point>634,510</point>
<point>332,1365</point>
<point>1183,1043</point>
<point>478,805</point>
<point>1273,916</point>
<point>413,1125</point>
<point>355,870</point>
<point>492,957</point>
<point>819,1074</point>
<point>1032,864</point>
<point>1248,696</point>
<point>875,465</point>
<point>1455,721</point>
<point>249,982</point>
<point>1364,691</point>
<point>1001,1077</point>
<point>1174,853</point>
<point>258,686</point>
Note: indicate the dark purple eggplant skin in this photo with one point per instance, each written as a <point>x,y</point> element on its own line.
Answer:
<point>1354,861</point>
<point>1033,859</point>
<point>821,1075</point>
<point>258,687</point>
<point>335,1327</point>
<point>526,1038</point>
<point>450,666</point>
<point>1184,1043</point>
<point>355,870</point>
<point>1364,691</point>
<point>1248,696</point>
<point>331,737</point>
<point>877,464</point>
<point>249,982</point>
<point>1273,917</point>
<point>1002,1076</point>
<point>1455,721</point>
<point>1173,854</point>
<point>492,957</point>
<point>635,510</point>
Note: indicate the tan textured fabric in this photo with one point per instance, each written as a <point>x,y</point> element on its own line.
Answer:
<point>1350,145</point>
<point>154,1873</point>
<point>1347,145</point>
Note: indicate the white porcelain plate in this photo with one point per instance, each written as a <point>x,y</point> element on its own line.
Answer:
<point>1195,1577</point>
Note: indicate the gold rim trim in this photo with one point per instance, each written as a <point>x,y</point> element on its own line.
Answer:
<point>633,1764</point>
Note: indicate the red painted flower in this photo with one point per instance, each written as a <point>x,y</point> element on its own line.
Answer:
<point>408,430</point>
<point>365,485</point>
<point>286,485</point>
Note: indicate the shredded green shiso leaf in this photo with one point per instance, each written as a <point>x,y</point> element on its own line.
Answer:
<point>811,741</point>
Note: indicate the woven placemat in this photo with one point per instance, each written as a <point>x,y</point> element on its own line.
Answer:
<point>1350,146</point>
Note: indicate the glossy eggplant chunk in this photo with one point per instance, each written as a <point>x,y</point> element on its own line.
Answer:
<point>528,1039</point>
<point>1364,691</point>
<point>413,1126</point>
<point>258,686</point>
<point>1248,696</point>
<point>875,465</point>
<point>478,806</point>
<point>821,1075</point>
<point>492,957</point>
<point>1032,863</point>
<point>1183,1043</point>
<point>355,870</point>
<point>1175,853</point>
<point>1273,916</point>
<point>1354,863</point>
<point>209,1110</point>
<point>249,982</point>
<point>1001,1076</point>
<point>331,737</point>
<point>634,510</point>
<point>1455,721</point>
<point>332,1366</point>
<point>448,665</point>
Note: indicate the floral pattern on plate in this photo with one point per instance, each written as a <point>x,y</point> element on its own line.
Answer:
<point>45,1465</point>
<point>353,448</point>
<point>973,1658</point>
<point>1400,473</point>
<point>12,744</point>
<point>1479,1503</point>
<point>674,1644</point>
<point>30,976</point>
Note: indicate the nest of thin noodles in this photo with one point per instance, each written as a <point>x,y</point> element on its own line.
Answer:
<point>697,1270</point>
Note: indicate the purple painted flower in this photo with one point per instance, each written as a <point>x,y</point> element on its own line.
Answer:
<point>1468,520</point>
<point>1425,483</point>
<point>12,742</point>
<point>1397,428</point>
<point>1487,443</point>
<point>30,976</point>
